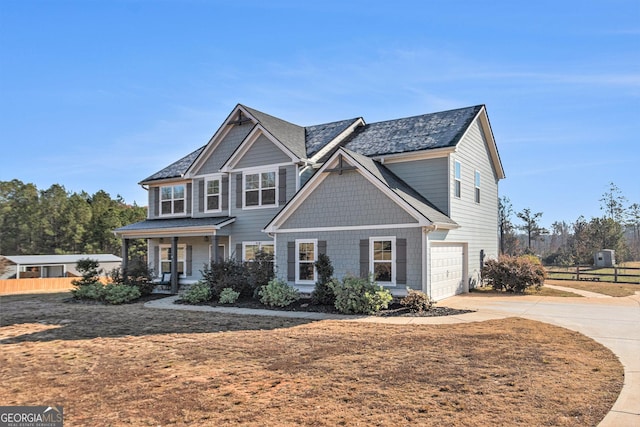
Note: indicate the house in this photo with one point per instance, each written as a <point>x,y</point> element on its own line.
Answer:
<point>42,266</point>
<point>413,201</point>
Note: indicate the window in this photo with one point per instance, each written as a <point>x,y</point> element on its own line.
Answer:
<point>307,255</point>
<point>458,179</point>
<point>260,189</point>
<point>477,182</point>
<point>172,200</point>
<point>383,259</point>
<point>249,249</point>
<point>221,253</point>
<point>166,256</point>
<point>212,196</point>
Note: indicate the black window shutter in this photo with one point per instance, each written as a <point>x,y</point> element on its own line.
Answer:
<point>322,247</point>
<point>364,258</point>
<point>224,192</point>
<point>291,261</point>
<point>201,195</point>
<point>282,186</point>
<point>239,191</point>
<point>189,200</point>
<point>189,260</point>
<point>401,261</point>
<point>156,202</point>
<point>239,251</point>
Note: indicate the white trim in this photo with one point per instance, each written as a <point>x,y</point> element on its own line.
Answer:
<point>224,250</point>
<point>335,141</point>
<point>182,246</point>
<point>432,153</point>
<point>483,117</point>
<point>477,181</point>
<point>457,180</point>
<point>207,179</point>
<point>260,244</point>
<point>259,171</point>
<point>204,230</point>
<point>261,167</point>
<point>394,268</point>
<point>299,281</point>
<point>346,228</point>
<point>173,200</point>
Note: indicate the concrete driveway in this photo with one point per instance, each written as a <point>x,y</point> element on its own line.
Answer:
<point>613,322</point>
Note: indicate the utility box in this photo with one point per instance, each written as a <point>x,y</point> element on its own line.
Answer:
<point>604,258</point>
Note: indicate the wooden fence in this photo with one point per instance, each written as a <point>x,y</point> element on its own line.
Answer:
<point>27,286</point>
<point>597,274</point>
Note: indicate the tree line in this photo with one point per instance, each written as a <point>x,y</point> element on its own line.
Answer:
<point>55,221</point>
<point>570,243</point>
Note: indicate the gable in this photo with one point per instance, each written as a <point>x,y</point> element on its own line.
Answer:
<point>346,200</point>
<point>260,151</point>
<point>223,150</point>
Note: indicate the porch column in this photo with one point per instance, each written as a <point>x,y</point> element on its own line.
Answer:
<point>174,265</point>
<point>125,257</point>
<point>214,248</point>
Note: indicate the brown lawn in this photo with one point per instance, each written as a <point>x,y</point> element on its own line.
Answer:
<point>606,288</point>
<point>128,365</point>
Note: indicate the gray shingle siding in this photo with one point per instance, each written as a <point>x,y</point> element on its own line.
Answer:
<point>343,248</point>
<point>347,199</point>
<point>225,148</point>
<point>262,152</point>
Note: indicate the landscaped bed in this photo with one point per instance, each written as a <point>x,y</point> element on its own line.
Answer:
<point>128,365</point>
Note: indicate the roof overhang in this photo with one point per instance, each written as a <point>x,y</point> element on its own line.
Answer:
<point>491,142</point>
<point>163,228</point>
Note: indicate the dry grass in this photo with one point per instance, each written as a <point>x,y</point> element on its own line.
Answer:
<point>612,289</point>
<point>543,292</point>
<point>133,366</point>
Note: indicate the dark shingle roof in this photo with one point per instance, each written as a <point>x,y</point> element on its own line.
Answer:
<point>292,136</point>
<point>436,130</point>
<point>176,169</point>
<point>402,189</point>
<point>158,224</point>
<point>318,136</point>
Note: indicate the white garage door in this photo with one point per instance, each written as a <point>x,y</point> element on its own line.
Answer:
<point>447,270</point>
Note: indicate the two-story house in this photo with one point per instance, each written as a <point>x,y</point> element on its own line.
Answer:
<point>413,201</point>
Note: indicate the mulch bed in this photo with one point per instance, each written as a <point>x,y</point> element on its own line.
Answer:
<point>305,305</point>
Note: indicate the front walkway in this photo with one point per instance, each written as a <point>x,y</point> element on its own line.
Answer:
<point>613,322</point>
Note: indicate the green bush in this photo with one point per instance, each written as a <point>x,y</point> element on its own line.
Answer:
<point>259,271</point>
<point>322,293</point>
<point>89,291</point>
<point>197,293</point>
<point>120,294</point>
<point>278,293</point>
<point>90,272</point>
<point>514,274</point>
<point>416,301</point>
<point>228,296</point>
<point>228,273</point>
<point>359,296</point>
<point>138,274</point>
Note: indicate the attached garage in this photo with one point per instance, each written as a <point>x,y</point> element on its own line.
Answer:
<point>447,270</point>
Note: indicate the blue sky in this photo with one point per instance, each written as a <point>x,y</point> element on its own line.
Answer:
<point>101,94</point>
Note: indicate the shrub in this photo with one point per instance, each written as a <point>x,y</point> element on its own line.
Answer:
<point>120,294</point>
<point>90,291</point>
<point>322,293</point>
<point>278,293</point>
<point>197,293</point>
<point>259,271</point>
<point>514,274</point>
<point>359,296</point>
<point>138,274</point>
<point>416,301</point>
<point>90,272</point>
<point>228,273</point>
<point>228,296</point>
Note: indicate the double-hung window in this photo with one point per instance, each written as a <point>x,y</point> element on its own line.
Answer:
<point>383,259</point>
<point>166,256</point>
<point>172,200</point>
<point>477,183</point>
<point>260,188</point>
<point>249,249</point>
<point>458,179</point>
<point>212,195</point>
<point>306,257</point>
